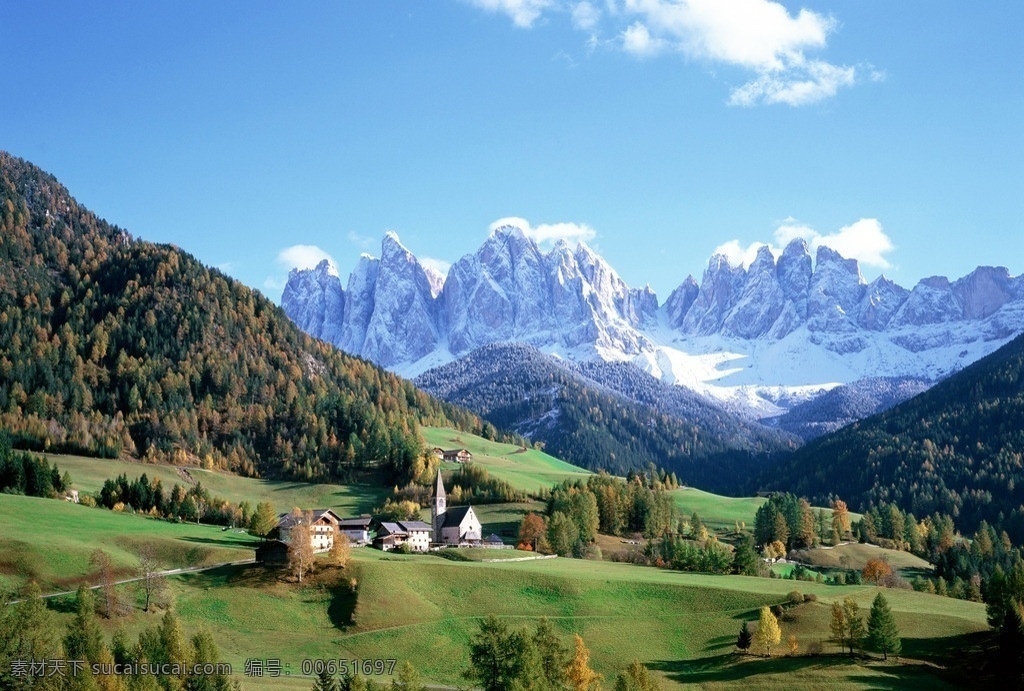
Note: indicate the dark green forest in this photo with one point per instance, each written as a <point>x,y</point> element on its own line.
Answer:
<point>957,449</point>
<point>584,423</point>
<point>110,345</point>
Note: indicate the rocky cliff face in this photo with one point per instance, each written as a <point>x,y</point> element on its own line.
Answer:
<point>799,326</point>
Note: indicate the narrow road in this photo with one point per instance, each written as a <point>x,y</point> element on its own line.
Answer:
<point>168,572</point>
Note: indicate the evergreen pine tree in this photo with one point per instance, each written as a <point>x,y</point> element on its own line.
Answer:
<point>552,655</point>
<point>325,682</point>
<point>883,635</point>
<point>745,638</point>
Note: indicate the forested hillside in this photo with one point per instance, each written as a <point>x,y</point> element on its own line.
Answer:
<point>111,345</point>
<point>958,449</point>
<point>591,425</point>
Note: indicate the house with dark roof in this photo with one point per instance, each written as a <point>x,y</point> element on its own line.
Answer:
<point>457,525</point>
<point>356,529</point>
<point>322,525</point>
<point>456,455</point>
<point>393,534</point>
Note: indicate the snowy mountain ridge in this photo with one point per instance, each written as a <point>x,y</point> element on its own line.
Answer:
<point>761,338</point>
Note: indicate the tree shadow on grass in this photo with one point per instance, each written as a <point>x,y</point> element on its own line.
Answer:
<point>342,606</point>
<point>722,643</point>
<point>733,670</point>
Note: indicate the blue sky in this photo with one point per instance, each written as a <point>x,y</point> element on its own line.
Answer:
<point>658,130</point>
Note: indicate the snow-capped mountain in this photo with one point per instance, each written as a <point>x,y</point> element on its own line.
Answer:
<point>760,338</point>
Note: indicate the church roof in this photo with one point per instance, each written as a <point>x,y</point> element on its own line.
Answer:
<point>454,516</point>
<point>439,492</point>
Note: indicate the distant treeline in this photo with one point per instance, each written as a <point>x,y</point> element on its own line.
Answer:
<point>195,504</point>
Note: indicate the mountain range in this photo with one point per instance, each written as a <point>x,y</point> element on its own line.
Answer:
<point>759,340</point>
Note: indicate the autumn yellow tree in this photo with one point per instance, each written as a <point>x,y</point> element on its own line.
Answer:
<point>341,550</point>
<point>578,674</point>
<point>300,544</point>
<point>768,631</point>
<point>840,518</point>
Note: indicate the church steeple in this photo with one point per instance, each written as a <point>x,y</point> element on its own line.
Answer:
<point>440,506</point>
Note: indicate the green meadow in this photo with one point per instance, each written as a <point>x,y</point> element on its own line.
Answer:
<point>525,469</point>
<point>88,475</point>
<point>51,541</point>
<point>424,609</point>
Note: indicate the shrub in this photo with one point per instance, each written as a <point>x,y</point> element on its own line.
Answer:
<point>795,597</point>
<point>810,597</point>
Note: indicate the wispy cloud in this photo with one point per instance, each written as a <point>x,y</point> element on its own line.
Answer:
<point>864,240</point>
<point>365,243</point>
<point>523,13</point>
<point>548,233</point>
<point>762,38</point>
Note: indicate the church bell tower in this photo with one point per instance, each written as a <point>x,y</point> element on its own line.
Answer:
<point>440,506</point>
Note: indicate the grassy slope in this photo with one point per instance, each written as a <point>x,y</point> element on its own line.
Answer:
<point>51,541</point>
<point>424,609</point>
<point>527,470</point>
<point>88,475</point>
<point>857,556</point>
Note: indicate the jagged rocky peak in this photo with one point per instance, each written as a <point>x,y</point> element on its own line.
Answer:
<point>718,293</point>
<point>881,300</point>
<point>362,283</point>
<point>794,272</point>
<point>680,300</point>
<point>315,300</point>
<point>835,291</point>
<point>760,302</point>
<point>403,324</point>
<point>984,291</point>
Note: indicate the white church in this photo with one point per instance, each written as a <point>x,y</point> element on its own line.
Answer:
<point>455,526</point>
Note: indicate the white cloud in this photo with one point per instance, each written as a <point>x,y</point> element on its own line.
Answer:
<point>739,255</point>
<point>761,37</point>
<point>637,40</point>
<point>797,86</point>
<point>585,16</point>
<point>865,240</point>
<point>305,257</point>
<point>441,266</point>
<point>548,233</point>
<point>522,12</point>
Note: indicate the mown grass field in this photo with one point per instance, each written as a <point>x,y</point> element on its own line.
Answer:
<point>527,470</point>
<point>50,541</point>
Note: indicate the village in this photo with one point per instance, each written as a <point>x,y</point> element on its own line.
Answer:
<point>450,526</point>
